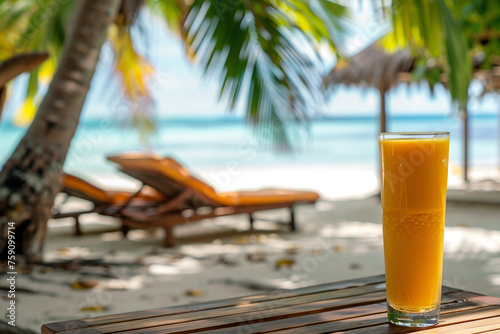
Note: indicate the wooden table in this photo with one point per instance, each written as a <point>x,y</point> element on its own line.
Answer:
<point>354,306</point>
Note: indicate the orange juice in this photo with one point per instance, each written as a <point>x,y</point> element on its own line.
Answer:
<point>414,175</point>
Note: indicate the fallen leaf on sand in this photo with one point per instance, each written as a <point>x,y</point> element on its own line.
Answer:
<point>284,263</point>
<point>63,250</point>
<point>241,240</point>
<point>84,284</point>
<point>93,308</point>
<point>339,249</point>
<point>194,293</point>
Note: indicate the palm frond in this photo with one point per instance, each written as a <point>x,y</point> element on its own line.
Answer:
<point>29,26</point>
<point>429,29</point>
<point>132,69</point>
<point>34,26</point>
<point>41,25</point>
<point>133,72</point>
<point>263,52</point>
<point>458,58</point>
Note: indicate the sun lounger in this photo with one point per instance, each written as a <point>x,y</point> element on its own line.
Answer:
<point>189,199</point>
<point>109,203</point>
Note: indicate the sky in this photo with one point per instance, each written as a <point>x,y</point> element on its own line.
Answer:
<point>181,91</point>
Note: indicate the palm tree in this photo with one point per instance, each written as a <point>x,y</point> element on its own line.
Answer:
<point>262,51</point>
<point>31,178</point>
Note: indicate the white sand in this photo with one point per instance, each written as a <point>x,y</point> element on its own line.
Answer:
<point>220,258</point>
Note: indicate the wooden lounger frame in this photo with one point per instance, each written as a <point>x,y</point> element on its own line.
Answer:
<point>102,208</point>
<point>189,206</point>
<point>181,202</point>
<point>168,215</point>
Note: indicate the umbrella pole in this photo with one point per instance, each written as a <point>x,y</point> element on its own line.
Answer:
<point>383,122</point>
<point>465,120</point>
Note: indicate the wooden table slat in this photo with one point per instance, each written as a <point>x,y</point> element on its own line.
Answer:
<point>375,319</point>
<point>309,322</point>
<point>60,326</point>
<point>223,318</point>
<point>87,330</point>
<point>250,307</point>
<point>306,321</point>
<point>468,321</point>
<point>460,318</point>
<point>352,307</point>
<point>278,294</point>
<point>475,326</point>
<point>258,316</point>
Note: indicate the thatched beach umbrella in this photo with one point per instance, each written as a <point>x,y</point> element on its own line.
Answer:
<point>373,67</point>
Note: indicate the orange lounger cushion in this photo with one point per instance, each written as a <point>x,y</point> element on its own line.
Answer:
<point>167,167</point>
<point>171,169</point>
<point>85,190</point>
<point>88,191</point>
<point>267,197</point>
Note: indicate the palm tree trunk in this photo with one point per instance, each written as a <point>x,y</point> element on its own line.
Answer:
<point>31,178</point>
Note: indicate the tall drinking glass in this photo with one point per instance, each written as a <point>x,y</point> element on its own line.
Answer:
<point>413,173</point>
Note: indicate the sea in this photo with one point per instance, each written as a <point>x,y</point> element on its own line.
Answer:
<point>220,142</point>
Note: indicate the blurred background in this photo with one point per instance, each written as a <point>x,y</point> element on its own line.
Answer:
<point>177,110</point>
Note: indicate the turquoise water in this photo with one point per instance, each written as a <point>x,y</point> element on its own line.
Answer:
<point>217,143</point>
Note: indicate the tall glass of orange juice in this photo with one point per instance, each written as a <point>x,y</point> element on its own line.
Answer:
<point>413,173</point>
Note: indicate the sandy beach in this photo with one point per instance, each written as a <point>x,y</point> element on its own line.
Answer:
<point>339,238</point>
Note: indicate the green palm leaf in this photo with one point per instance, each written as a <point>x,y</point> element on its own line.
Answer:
<point>264,52</point>
<point>429,28</point>
<point>41,25</point>
<point>34,25</point>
